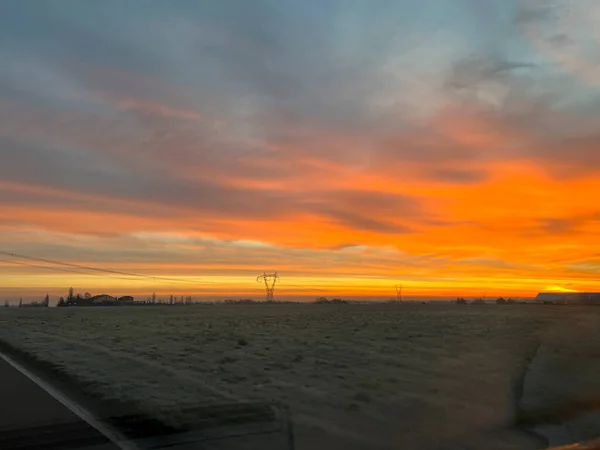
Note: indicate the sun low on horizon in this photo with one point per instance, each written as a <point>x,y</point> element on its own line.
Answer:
<point>451,147</point>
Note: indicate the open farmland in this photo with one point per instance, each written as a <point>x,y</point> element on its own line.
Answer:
<point>354,376</point>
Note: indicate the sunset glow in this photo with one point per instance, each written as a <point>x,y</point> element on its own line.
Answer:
<point>455,149</point>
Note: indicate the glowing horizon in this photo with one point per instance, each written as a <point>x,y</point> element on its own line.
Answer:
<point>453,149</point>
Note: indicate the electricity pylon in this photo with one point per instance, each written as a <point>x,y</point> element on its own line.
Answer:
<point>398,292</point>
<point>270,279</point>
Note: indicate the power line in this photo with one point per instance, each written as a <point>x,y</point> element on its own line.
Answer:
<point>72,268</point>
<point>79,266</point>
<point>106,272</point>
<point>21,263</point>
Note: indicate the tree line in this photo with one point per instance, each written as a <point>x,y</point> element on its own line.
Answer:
<point>481,301</point>
<point>41,304</point>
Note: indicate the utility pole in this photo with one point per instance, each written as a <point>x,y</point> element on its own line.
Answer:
<point>269,279</point>
<point>398,292</point>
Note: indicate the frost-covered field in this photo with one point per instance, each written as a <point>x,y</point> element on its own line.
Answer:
<point>354,376</point>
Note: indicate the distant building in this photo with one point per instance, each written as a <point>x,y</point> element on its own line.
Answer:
<point>103,299</point>
<point>568,298</point>
<point>98,300</point>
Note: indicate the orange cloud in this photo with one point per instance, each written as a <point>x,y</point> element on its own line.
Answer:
<point>463,202</point>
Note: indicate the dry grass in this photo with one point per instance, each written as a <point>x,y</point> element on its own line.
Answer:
<point>373,376</point>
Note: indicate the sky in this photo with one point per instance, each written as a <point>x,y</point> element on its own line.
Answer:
<point>451,146</point>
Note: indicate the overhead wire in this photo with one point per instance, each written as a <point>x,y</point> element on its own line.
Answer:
<point>61,269</point>
<point>79,266</point>
<point>71,267</point>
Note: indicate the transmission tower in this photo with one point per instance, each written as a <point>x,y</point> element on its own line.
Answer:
<point>269,279</point>
<point>398,292</point>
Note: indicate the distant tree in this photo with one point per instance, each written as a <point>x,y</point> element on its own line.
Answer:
<point>61,302</point>
<point>501,301</point>
<point>46,300</point>
<point>87,295</point>
<point>71,295</point>
<point>6,304</point>
<point>20,302</point>
<point>461,301</point>
<point>153,298</point>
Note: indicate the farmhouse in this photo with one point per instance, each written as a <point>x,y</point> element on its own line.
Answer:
<point>102,299</point>
<point>569,298</point>
<point>98,300</point>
